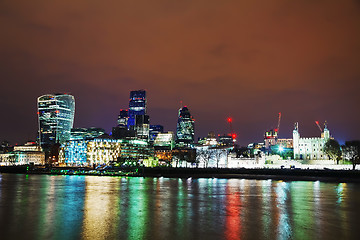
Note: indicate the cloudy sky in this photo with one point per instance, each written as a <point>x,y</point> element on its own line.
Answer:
<point>239,58</point>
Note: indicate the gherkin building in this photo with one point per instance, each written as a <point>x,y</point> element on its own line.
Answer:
<point>185,127</point>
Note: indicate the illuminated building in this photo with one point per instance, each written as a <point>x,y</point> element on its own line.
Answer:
<point>185,127</point>
<point>123,118</point>
<point>122,133</point>
<point>164,156</point>
<point>164,141</point>
<point>30,153</point>
<point>154,131</point>
<point>310,148</point>
<point>163,145</point>
<point>104,150</point>
<point>56,118</point>
<point>270,138</point>
<point>86,133</point>
<point>210,140</point>
<point>142,126</point>
<point>285,142</point>
<point>137,105</point>
<point>226,140</point>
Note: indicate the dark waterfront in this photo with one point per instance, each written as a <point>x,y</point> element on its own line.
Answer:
<point>92,207</point>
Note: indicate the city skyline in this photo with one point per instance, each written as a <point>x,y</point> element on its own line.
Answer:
<point>182,112</point>
<point>245,60</point>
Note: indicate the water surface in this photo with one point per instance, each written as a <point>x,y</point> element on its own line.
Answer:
<point>92,207</point>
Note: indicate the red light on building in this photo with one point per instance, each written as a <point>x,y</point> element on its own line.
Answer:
<point>233,135</point>
<point>229,119</point>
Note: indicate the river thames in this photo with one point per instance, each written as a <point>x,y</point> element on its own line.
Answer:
<point>93,207</point>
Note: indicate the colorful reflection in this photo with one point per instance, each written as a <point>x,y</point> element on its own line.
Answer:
<point>99,214</point>
<point>233,211</point>
<point>79,207</point>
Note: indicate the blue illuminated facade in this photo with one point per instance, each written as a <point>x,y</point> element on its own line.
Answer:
<point>76,152</point>
<point>102,151</point>
<point>154,131</point>
<point>56,118</point>
<point>137,106</point>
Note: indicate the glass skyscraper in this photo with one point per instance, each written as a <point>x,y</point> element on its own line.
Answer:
<point>154,131</point>
<point>137,105</point>
<point>56,118</point>
<point>123,118</point>
<point>185,127</point>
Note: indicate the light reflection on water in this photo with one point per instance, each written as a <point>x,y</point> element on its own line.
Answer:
<point>89,207</point>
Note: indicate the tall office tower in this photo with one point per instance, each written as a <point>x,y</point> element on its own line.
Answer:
<point>154,131</point>
<point>142,126</point>
<point>56,118</point>
<point>185,127</point>
<point>123,118</point>
<point>137,105</point>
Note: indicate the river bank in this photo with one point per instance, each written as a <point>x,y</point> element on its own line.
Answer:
<point>240,173</point>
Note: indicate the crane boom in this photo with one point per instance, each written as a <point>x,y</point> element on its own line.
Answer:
<point>317,123</point>
<point>278,125</point>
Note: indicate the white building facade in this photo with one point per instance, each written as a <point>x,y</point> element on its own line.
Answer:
<point>310,148</point>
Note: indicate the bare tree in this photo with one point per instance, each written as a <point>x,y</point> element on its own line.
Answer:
<point>217,153</point>
<point>204,156</point>
<point>351,152</point>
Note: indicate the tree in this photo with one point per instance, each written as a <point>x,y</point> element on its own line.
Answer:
<point>242,152</point>
<point>351,151</point>
<point>217,153</point>
<point>333,150</point>
<point>184,155</point>
<point>203,155</point>
<point>13,158</point>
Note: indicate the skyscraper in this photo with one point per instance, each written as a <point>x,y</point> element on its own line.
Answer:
<point>123,118</point>
<point>142,126</point>
<point>56,118</point>
<point>137,105</point>
<point>154,131</point>
<point>185,127</point>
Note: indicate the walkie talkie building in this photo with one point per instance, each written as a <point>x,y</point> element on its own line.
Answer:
<point>56,118</point>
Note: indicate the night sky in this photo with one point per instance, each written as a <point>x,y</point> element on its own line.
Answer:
<point>244,59</point>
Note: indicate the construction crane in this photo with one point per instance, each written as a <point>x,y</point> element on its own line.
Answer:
<point>272,135</point>
<point>278,125</point>
<point>317,123</point>
<point>232,134</point>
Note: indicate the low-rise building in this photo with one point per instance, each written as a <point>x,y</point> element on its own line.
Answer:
<point>103,151</point>
<point>30,153</point>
